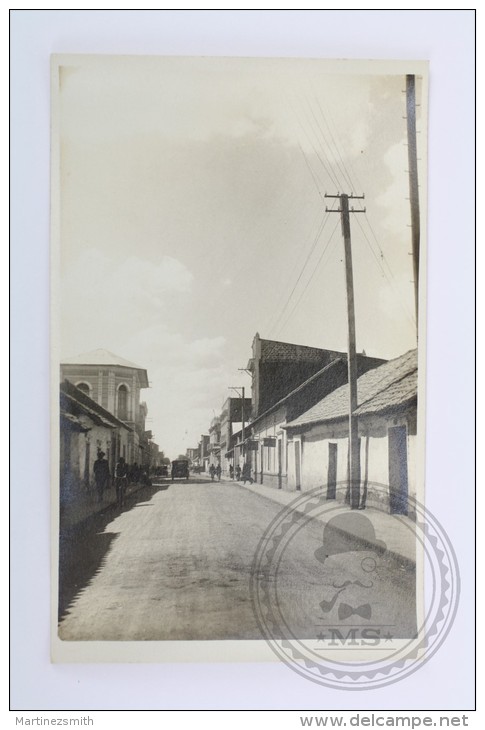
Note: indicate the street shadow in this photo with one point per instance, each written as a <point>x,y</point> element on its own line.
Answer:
<point>194,480</point>
<point>79,561</point>
<point>83,547</point>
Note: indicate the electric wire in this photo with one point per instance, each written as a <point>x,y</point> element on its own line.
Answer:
<point>325,249</point>
<point>309,255</point>
<point>382,259</point>
<point>330,173</point>
<point>389,280</point>
<point>335,162</point>
<point>271,320</point>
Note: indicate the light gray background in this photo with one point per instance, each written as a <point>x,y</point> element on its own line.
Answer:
<point>446,39</point>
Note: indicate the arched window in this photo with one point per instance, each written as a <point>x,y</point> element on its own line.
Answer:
<point>123,402</point>
<point>85,388</point>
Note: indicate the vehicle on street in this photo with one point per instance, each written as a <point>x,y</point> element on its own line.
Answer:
<point>180,469</point>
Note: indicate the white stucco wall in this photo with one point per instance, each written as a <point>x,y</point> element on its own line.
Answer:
<point>374,452</point>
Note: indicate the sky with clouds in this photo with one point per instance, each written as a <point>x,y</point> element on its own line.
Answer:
<point>192,215</point>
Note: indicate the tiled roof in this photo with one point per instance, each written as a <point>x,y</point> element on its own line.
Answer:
<point>275,350</point>
<point>100,357</point>
<point>398,394</point>
<point>387,386</point>
<point>87,405</point>
<point>326,370</point>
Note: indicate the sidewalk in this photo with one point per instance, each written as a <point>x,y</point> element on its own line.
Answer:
<point>87,505</point>
<point>396,531</point>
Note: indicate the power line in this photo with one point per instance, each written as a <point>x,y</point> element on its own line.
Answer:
<point>287,285</point>
<point>315,180</point>
<point>371,228</point>
<point>353,177</point>
<point>391,281</point>
<point>310,279</point>
<point>329,172</point>
<point>325,140</point>
<point>319,233</point>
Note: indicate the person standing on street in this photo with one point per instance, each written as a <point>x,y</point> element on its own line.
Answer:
<point>101,475</point>
<point>121,471</point>
<point>218,472</point>
<point>246,473</point>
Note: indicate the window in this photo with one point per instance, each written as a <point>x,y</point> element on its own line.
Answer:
<point>123,402</point>
<point>84,388</point>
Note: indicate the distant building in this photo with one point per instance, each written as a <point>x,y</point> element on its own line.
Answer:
<point>204,452</point>
<point>215,441</point>
<point>233,412</point>
<point>287,380</point>
<point>115,384</point>
<point>277,368</point>
<point>193,456</point>
<point>268,451</point>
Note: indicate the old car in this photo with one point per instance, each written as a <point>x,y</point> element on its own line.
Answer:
<point>180,469</point>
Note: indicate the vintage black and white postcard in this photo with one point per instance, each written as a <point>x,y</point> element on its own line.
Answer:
<point>238,258</point>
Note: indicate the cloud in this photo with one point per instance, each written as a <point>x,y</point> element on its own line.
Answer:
<point>188,378</point>
<point>396,218</point>
<point>104,299</point>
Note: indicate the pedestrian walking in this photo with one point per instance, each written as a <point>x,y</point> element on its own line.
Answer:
<point>101,475</point>
<point>238,473</point>
<point>218,472</point>
<point>212,471</point>
<point>246,473</point>
<point>231,471</point>
<point>121,481</point>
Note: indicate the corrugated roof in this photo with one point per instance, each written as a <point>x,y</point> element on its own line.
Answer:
<point>387,386</point>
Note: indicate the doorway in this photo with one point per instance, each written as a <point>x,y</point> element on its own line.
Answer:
<point>398,470</point>
<point>297,465</point>
<point>332,472</point>
<point>280,465</point>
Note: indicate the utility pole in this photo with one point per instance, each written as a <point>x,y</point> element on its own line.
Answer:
<point>413,181</point>
<point>240,391</point>
<point>354,455</point>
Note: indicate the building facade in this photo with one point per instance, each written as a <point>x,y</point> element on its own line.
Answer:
<point>318,440</point>
<point>275,367</point>
<point>115,384</point>
<point>204,452</point>
<point>86,428</point>
<point>234,411</point>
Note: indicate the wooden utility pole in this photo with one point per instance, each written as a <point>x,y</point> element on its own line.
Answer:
<point>413,181</point>
<point>241,391</point>
<point>354,455</point>
<point>242,417</point>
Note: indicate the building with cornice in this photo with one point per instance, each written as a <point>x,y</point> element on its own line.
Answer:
<point>115,384</point>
